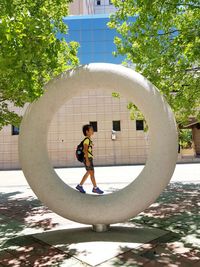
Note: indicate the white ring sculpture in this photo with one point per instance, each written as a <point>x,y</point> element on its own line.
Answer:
<point>127,202</point>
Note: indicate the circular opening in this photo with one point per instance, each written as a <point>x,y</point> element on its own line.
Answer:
<point>121,140</point>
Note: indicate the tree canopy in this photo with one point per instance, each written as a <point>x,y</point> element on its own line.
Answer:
<point>161,39</point>
<point>30,52</point>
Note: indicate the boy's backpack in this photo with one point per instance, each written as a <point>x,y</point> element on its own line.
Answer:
<point>79,151</point>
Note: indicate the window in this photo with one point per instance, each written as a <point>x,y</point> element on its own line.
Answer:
<point>98,2</point>
<point>94,125</point>
<point>139,125</point>
<point>116,126</point>
<point>15,130</point>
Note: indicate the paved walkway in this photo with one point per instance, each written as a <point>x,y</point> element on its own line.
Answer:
<point>165,234</point>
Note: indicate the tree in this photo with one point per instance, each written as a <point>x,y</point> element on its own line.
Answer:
<point>30,52</point>
<point>162,40</point>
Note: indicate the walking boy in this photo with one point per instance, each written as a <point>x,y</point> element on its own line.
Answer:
<point>88,160</point>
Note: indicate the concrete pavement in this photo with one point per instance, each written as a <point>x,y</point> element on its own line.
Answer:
<point>165,234</point>
<point>115,174</point>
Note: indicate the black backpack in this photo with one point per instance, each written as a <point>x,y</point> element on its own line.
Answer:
<point>79,150</point>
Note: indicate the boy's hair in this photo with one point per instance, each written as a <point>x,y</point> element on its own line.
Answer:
<point>86,128</point>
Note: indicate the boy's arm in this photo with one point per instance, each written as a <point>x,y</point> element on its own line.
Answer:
<point>85,150</point>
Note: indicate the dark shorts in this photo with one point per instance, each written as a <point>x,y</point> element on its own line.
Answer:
<point>91,167</point>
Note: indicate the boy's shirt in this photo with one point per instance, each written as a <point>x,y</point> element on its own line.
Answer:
<point>88,142</point>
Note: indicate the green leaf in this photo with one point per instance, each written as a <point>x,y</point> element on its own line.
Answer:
<point>163,44</point>
<point>30,53</point>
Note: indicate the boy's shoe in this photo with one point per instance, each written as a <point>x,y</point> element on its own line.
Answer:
<point>97,190</point>
<point>80,188</point>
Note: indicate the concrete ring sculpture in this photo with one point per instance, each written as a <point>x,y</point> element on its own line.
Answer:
<point>132,199</point>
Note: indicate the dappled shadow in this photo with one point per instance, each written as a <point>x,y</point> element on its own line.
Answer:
<point>54,247</point>
<point>20,208</point>
<point>128,234</point>
<point>27,251</point>
<point>17,214</point>
<point>177,210</point>
<point>17,207</point>
<point>132,249</point>
<point>81,242</point>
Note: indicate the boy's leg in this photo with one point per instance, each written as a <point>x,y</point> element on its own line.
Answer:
<point>79,187</point>
<point>95,188</point>
<point>84,178</point>
<point>91,172</point>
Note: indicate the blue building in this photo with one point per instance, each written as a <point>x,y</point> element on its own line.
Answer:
<point>95,38</point>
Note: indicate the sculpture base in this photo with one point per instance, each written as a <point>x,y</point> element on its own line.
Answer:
<point>100,227</point>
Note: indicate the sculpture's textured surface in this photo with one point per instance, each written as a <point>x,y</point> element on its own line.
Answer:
<point>123,204</point>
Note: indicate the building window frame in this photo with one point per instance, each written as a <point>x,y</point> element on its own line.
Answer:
<point>94,125</point>
<point>116,126</point>
<point>139,125</point>
<point>98,2</point>
<point>14,130</point>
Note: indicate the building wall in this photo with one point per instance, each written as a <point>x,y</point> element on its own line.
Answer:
<point>8,149</point>
<point>88,7</point>
<point>65,133</point>
<point>9,158</point>
<point>76,7</point>
<point>196,138</point>
<point>103,7</point>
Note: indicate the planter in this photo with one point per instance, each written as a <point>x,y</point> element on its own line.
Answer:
<point>188,152</point>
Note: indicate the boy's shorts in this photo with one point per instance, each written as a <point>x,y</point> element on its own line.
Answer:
<point>91,167</point>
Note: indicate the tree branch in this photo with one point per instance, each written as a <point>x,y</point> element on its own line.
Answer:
<point>187,5</point>
<point>169,32</point>
<point>193,69</point>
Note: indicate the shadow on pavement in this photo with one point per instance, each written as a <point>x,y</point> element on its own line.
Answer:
<point>85,245</point>
<point>17,249</point>
<point>176,210</point>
